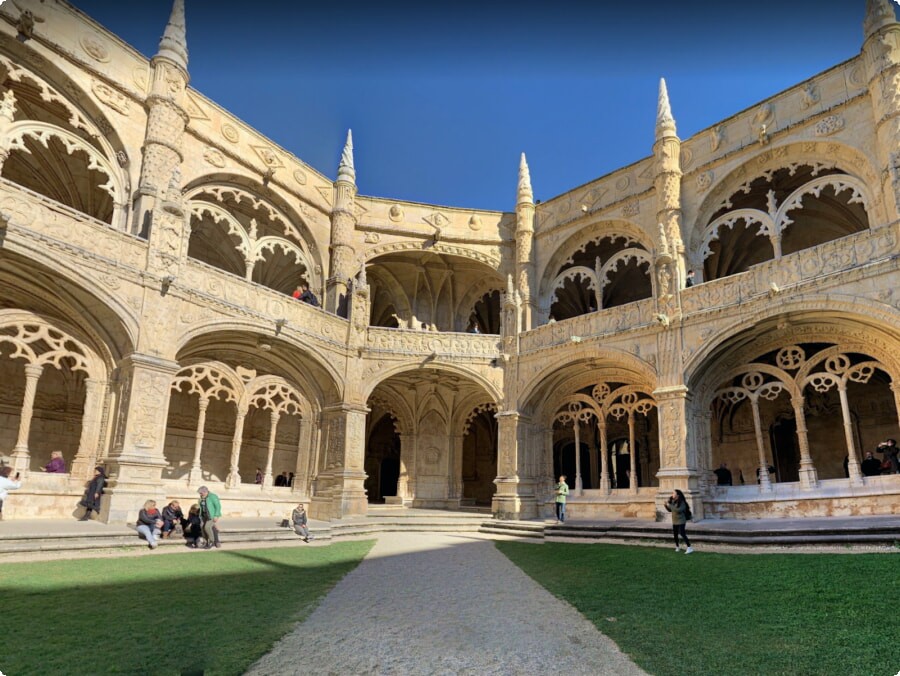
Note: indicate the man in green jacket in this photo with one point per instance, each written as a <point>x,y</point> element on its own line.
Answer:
<point>210,511</point>
<point>562,490</point>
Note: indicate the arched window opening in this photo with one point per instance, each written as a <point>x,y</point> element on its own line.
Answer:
<point>485,317</point>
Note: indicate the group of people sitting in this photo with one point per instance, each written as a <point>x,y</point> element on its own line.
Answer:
<point>200,523</point>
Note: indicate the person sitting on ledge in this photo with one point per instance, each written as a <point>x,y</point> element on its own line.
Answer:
<point>299,519</point>
<point>171,516</point>
<point>304,295</point>
<point>871,466</point>
<point>149,522</point>
<point>193,527</point>
<point>57,464</point>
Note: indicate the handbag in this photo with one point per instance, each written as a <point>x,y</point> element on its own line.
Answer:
<point>285,523</point>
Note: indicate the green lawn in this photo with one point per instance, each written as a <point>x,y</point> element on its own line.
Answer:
<point>708,613</point>
<point>188,613</point>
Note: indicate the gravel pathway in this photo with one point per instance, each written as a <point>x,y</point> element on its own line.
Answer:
<point>440,603</point>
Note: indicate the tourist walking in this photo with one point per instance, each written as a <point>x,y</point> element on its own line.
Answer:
<point>210,512</point>
<point>6,485</point>
<point>681,514</point>
<point>562,490</point>
<point>299,519</point>
<point>149,523</point>
<point>91,499</point>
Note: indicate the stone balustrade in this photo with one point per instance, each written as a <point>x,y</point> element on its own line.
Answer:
<point>604,322</point>
<point>839,255</point>
<point>237,296</point>
<point>70,229</point>
<point>423,343</point>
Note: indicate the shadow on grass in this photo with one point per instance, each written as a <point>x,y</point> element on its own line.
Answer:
<point>192,613</point>
<point>730,613</point>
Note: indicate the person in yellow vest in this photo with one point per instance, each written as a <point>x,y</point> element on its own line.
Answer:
<point>562,490</point>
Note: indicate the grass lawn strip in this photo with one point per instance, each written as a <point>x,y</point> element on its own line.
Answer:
<point>212,612</point>
<point>727,614</point>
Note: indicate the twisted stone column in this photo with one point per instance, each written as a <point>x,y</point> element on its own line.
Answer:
<point>21,456</point>
<point>196,475</point>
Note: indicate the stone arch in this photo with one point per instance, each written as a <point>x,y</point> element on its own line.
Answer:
<point>426,286</point>
<point>302,363</point>
<point>881,323</point>
<point>265,233</point>
<point>63,402</point>
<point>577,241</point>
<point>30,280</point>
<point>601,360</point>
<point>69,136</point>
<point>850,164</point>
<point>438,366</point>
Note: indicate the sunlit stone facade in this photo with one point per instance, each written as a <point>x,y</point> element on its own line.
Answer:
<point>150,243</point>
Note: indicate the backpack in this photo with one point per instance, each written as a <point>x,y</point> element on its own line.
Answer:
<point>687,512</point>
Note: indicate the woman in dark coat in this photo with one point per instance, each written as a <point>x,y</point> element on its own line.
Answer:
<point>681,513</point>
<point>91,499</point>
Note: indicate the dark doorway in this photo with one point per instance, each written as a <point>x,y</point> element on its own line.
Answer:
<point>390,475</point>
<point>784,447</point>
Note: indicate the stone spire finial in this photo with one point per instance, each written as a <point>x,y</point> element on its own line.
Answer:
<point>525,192</point>
<point>879,13</point>
<point>346,172</point>
<point>173,44</point>
<point>664,120</point>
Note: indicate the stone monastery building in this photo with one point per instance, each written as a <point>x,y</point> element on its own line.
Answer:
<point>150,242</point>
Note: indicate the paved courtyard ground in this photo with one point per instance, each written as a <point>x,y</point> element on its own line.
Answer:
<point>440,603</point>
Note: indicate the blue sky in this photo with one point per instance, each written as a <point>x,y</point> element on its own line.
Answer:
<point>443,96</point>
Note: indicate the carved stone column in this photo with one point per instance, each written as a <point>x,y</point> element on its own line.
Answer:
<point>632,456</point>
<point>808,476</point>
<point>304,459</point>
<point>507,503</point>
<point>89,443</point>
<point>340,487</point>
<point>234,476</point>
<point>856,478</point>
<point>524,243</point>
<point>604,456</point>
<point>7,114</point>
<point>881,54</point>
<point>455,481</point>
<point>765,485</point>
<point>137,458</point>
<point>579,484</point>
<point>405,492</point>
<point>678,459</point>
<point>21,456</point>
<point>196,475</point>
<point>595,462</point>
<point>273,428</point>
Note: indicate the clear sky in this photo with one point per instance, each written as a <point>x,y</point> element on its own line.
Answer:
<point>443,96</point>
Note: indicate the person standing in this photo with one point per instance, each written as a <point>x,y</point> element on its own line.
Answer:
<point>149,523</point>
<point>299,519</point>
<point>871,466</point>
<point>91,499</point>
<point>681,514</point>
<point>210,512</point>
<point>6,485</point>
<point>57,464</point>
<point>889,449</point>
<point>562,490</point>
<point>723,475</point>
<point>259,476</point>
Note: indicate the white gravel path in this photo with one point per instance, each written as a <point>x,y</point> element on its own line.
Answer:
<point>441,603</point>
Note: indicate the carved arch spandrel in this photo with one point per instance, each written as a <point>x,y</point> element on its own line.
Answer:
<point>831,154</point>
<point>578,240</point>
<point>841,321</point>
